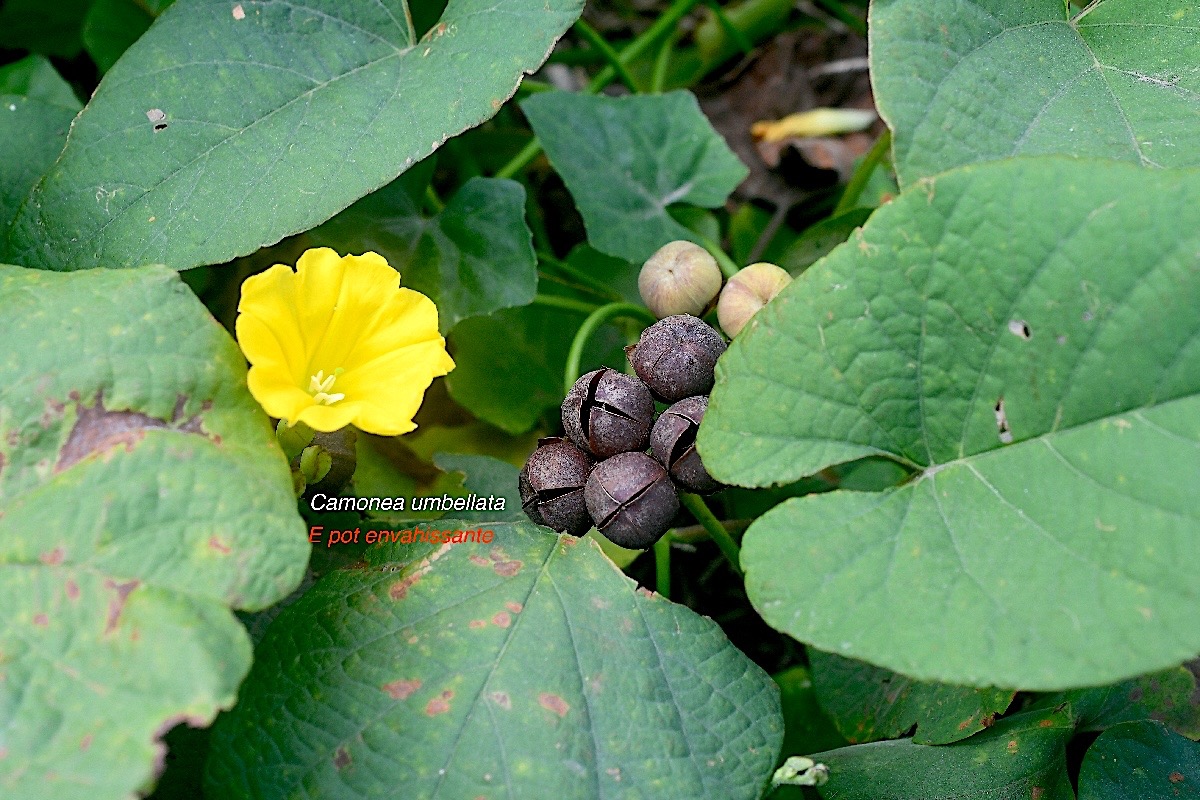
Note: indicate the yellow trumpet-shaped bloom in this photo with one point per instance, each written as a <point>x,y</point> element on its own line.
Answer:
<point>338,342</point>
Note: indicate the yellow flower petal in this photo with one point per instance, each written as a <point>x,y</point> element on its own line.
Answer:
<point>344,317</point>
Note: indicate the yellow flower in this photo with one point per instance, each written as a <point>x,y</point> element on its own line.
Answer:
<point>338,342</point>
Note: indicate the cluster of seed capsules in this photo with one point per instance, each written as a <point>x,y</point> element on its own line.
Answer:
<point>601,474</point>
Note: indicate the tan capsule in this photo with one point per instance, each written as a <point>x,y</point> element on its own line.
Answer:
<point>681,278</point>
<point>748,291</point>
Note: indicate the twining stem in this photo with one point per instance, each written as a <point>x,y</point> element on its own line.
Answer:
<point>716,531</point>
<point>595,286</point>
<point>661,26</point>
<point>597,318</point>
<point>593,37</point>
<point>565,303</point>
<point>662,566</point>
<point>664,24</point>
<point>662,62</point>
<point>729,268</point>
<point>858,181</point>
<point>521,160</point>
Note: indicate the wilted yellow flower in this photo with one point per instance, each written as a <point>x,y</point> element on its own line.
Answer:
<point>337,341</point>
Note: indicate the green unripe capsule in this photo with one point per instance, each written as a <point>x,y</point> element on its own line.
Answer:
<point>681,278</point>
<point>747,292</point>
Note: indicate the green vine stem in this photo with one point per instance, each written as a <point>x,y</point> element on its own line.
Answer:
<point>728,267</point>
<point>565,303</point>
<point>597,318</point>
<point>593,37</point>
<point>662,566</point>
<point>663,25</point>
<point>858,181</point>
<point>716,531</point>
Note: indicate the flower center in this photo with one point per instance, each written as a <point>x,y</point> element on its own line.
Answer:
<point>320,384</point>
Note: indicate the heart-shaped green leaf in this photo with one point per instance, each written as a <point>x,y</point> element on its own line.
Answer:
<point>961,81</point>
<point>36,109</point>
<point>229,126</point>
<point>1022,757</point>
<point>528,666</point>
<point>472,258</point>
<point>1026,335</point>
<point>142,496</point>
<point>1142,760</point>
<point>627,160</point>
<point>868,703</point>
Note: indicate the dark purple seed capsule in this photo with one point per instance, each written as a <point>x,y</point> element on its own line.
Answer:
<point>607,412</point>
<point>631,500</point>
<point>673,442</point>
<point>676,357</point>
<point>552,484</point>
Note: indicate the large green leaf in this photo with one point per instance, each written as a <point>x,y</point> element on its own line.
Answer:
<point>472,258</point>
<point>277,115</point>
<point>143,495</point>
<point>1062,292</point>
<point>527,667</point>
<point>1022,757</point>
<point>627,159</point>
<point>974,80</point>
<point>1142,760</point>
<point>1169,697</point>
<point>36,109</point>
<point>868,703</point>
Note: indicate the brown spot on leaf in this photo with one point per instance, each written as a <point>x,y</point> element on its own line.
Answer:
<point>3,753</point>
<point>501,699</point>
<point>600,603</point>
<point>53,557</point>
<point>1176,777</point>
<point>479,560</point>
<point>41,620</point>
<point>1036,793</point>
<point>117,604</point>
<point>341,758</point>
<point>98,430</point>
<point>506,569</point>
<point>401,689</point>
<point>554,703</point>
<point>439,705</point>
<point>239,13</point>
<point>514,607</point>
<point>72,590</point>
<point>502,619</point>
<point>215,543</point>
<point>399,589</point>
<point>1046,723</point>
<point>86,742</point>
<point>477,624</point>
<point>1012,746</point>
<point>988,720</point>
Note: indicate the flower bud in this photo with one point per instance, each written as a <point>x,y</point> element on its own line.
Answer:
<point>681,278</point>
<point>748,291</point>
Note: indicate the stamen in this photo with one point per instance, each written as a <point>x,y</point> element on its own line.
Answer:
<point>320,384</point>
